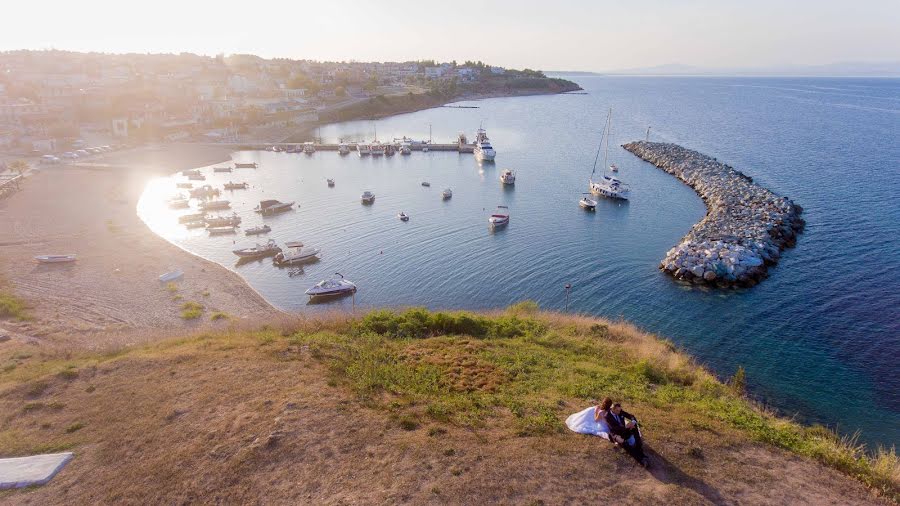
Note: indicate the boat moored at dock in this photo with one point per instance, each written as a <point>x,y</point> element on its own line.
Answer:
<point>483,149</point>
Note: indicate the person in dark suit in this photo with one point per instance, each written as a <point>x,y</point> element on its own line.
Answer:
<point>623,426</point>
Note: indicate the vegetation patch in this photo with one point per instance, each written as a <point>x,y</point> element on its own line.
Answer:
<point>219,315</point>
<point>12,306</point>
<point>191,310</point>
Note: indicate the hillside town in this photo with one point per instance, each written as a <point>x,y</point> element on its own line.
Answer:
<point>57,105</point>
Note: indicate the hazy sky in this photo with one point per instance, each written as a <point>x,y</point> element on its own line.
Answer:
<point>549,35</point>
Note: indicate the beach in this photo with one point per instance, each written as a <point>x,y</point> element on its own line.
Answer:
<point>111,295</point>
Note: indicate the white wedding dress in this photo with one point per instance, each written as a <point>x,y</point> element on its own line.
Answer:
<point>583,423</point>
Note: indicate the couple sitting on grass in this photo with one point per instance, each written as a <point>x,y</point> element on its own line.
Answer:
<point>608,420</point>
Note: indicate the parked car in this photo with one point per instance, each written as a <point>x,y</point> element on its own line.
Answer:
<point>49,159</point>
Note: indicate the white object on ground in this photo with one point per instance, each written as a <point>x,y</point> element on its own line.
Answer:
<point>583,423</point>
<point>21,472</point>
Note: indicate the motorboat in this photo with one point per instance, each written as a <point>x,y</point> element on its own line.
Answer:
<point>215,204</point>
<point>403,216</point>
<point>309,148</point>
<point>294,256</point>
<point>221,230</point>
<point>337,285</point>
<point>405,148</point>
<point>195,224</point>
<point>367,197</point>
<point>179,203</point>
<point>500,217</point>
<point>508,177</point>
<point>426,183</point>
<point>613,167</point>
<point>293,244</point>
<point>259,250</point>
<point>389,150</point>
<point>222,169</point>
<point>185,186</point>
<point>222,221</point>
<point>192,172</point>
<point>171,276</point>
<point>363,149</point>
<point>236,186</point>
<point>270,207</point>
<point>197,177</point>
<point>250,165</point>
<point>191,217</point>
<point>587,202</point>
<point>483,149</point>
<point>55,259</point>
<point>330,182</point>
<point>204,192</point>
<point>265,229</point>
<point>343,149</point>
<point>447,194</point>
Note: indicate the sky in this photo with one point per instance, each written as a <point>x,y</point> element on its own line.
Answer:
<point>584,35</point>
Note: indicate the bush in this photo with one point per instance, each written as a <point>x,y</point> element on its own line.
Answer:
<point>417,323</point>
<point>191,310</point>
<point>12,307</point>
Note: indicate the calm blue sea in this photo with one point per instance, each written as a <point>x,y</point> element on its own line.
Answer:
<point>820,339</point>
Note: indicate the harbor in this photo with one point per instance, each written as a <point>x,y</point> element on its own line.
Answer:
<point>744,231</point>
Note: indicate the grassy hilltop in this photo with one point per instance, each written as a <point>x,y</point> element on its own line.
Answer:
<point>411,406</point>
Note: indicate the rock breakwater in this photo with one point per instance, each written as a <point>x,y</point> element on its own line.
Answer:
<point>746,226</point>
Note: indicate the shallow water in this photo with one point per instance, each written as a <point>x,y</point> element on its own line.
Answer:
<point>819,338</point>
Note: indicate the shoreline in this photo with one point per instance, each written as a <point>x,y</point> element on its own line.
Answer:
<point>746,226</point>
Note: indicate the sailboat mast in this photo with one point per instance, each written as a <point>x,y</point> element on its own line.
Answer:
<point>600,146</point>
<point>608,133</point>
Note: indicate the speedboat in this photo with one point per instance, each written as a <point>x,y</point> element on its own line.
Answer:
<point>363,149</point>
<point>447,194</point>
<point>259,250</point>
<point>270,207</point>
<point>295,256</point>
<point>265,229</point>
<point>223,221</point>
<point>251,165</point>
<point>221,230</point>
<point>337,285</point>
<point>236,186</point>
<point>215,204</point>
<point>309,148</point>
<point>330,182</point>
<point>508,177</point>
<point>403,216</point>
<point>587,202</point>
<point>221,169</point>
<point>426,183</point>
<point>55,259</point>
<point>367,197</point>
<point>483,149</point>
<point>343,149</point>
<point>500,217</point>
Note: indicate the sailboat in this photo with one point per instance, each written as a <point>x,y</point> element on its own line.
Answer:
<point>606,186</point>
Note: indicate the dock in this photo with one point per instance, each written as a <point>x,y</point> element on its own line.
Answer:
<point>298,146</point>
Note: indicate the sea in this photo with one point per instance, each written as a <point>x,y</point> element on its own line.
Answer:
<point>819,339</point>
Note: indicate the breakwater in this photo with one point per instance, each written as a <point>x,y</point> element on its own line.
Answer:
<point>746,226</point>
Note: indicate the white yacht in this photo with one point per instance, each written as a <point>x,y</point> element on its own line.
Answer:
<point>447,194</point>
<point>606,186</point>
<point>295,255</point>
<point>500,217</point>
<point>483,149</point>
<point>337,285</point>
<point>587,202</point>
<point>363,149</point>
<point>367,197</point>
<point>343,149</point>
<point>508,176</point>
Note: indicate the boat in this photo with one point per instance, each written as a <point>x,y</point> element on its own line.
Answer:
<point>221,230</point>
<point>197,177</point>
<point>55,259</point>
<point>191,217</point>
<point>426,183</point>
<point>258,250</point>
<point>295,255</point>
<point>343,149</point>
<point>204,191</point>
<point>293,244</point>
<point>186,186</point>
<point>309,148</point>
<point>613,167</point>
<point>367,197</point>
<point>508,177</point>
<point>171,276</point>
<point>363,149</point>
<point>222,169</point>
<point>500,217</point>
<point>447,194</point>
<point>403,216</point>
<point>405,148</point>
<point>179,203</point>
<point>215,204</point>
<point>587,202</point>
<point>195,224</point>
<point>376,148</point>
<point>389,150</point>
<point>222,221</point>
<point>236,186</point>
<point>270,207</point>
<point>606,186</point>
<point>330,182</point>
<point>483,149</point>
<point>192,172</point>
<point>265,229</point>
<point>337,285</point>
<point>250,165</point>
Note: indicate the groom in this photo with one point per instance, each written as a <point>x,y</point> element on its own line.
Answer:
<point>623,426</point>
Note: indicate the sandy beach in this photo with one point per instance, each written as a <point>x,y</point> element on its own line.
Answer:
<point>111,295</point>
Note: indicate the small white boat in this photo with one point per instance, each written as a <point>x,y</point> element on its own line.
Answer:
<point>405,148</point>
<point>363,149</point>
<point>196,177</point>
<point>367,197</point>
<point>55,259</point>
<point>265,229</point>
<point>403,216</point>
<point>294,256</point>
<point>259,250</point>
<point>179,203</point>
<point>222,169</point>
<point>192,172</point>
<point>222,221</point>
<point>215,204</point>
<point>309,148</point>
<point>613,167</point>
<point>186,186</point>
<point>500,217</point>
<point>330,183</point>
<point>171,276</point>
<point>426,183</point>
<point>447,194</point>
<point>343,149</point>
<point>251,165</point>
<point>587,202</point>
<point>337,285</point>
<point>508,177</point>
<point>221,230</point>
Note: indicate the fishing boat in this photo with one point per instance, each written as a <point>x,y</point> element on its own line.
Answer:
<point>258,250</point>
<point>293,256</point>
<point>223,221</point>
<point>330,182</point>
<point>363,149</point>
<point>500,217</point>
<point>270,207</point>
<point>265,229</point>
<point>606,186</point>
<point>508,177</point>
<point>186,186</point>
<point>367,197</point>
<point>447,194</point>
<point>483,149</point>
<point>55,259</point>
<point>309,148</point>
<point>215,204</point>
<point>221,230</point>
<point>426,183</point>
<point>337,285</point>
<point>403,216</point>
<point>250,165</point>
<point>587,202</point>
<point>171,276</point>
<point>236,186</point>
<point>222,169</point>
<point>343,149</point>
<point>191,217</point>
<point>205,191</point>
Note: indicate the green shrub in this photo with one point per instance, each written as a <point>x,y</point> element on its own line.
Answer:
<point>191,310</point>
<point>12,307</point>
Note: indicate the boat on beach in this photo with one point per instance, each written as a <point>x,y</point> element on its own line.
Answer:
<point>335,286</point>
<point>367,197</point>
<point>270,207</point>
<point>295,255</point>
<point>508,177</point>
<point>258,250</point>
<point>265,229</point>
<point>500,218</point>
<point>56,259</point>
<point>179,203</point>
<point>250,165</point>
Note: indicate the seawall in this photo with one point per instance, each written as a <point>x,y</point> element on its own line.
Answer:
<point>746,226</point>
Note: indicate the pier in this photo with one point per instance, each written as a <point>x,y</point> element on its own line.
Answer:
<point>746,226</point>
<point>298,146</point>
